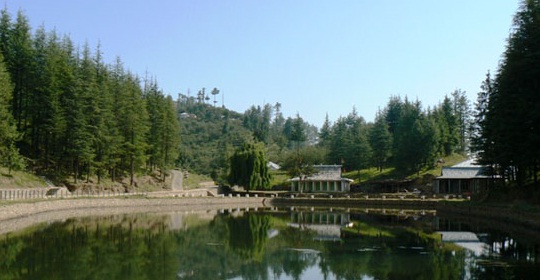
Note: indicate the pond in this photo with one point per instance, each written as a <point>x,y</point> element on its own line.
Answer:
<point>270,243</point>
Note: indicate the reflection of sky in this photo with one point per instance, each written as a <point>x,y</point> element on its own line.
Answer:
<point>466,240</point>
<point>310,273</point>
<point>478,248</point>
<point>324,232</point>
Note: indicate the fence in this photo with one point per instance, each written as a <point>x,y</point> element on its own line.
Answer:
<point>27,194</point>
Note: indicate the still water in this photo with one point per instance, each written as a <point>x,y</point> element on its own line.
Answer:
<point>273,243</point>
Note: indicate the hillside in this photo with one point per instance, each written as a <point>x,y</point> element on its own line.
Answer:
<point>19,179</point>
<point>208,135</point>
<point>370,177</point>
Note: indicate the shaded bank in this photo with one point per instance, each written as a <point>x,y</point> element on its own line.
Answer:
<point>21,214</point>
<point>494,216</point>
<point>503,214</point>
<point>357,202</point>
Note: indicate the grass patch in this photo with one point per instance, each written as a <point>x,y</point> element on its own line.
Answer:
<point>370,174</point>
<point>436,170</point>
<point>373,174</point>
<point>364,229</point>
<point>279,178</point>
<point>194,181</point>
<point>19,179</point>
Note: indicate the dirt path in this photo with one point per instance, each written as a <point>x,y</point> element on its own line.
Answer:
<point>177,180</point>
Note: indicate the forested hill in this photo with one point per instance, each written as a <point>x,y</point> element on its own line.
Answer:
<point>208,135</point>
<point>66,113</point>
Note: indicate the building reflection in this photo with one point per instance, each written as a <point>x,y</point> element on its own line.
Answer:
<point>326,225</point>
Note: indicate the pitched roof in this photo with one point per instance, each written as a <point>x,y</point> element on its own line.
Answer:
<point>462,172</point>
<point>325,173</point>
<point>467,169</point>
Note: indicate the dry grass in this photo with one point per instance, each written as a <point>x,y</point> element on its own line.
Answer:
<point>19,180</point>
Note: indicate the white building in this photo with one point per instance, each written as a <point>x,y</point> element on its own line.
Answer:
<point>327,179</point>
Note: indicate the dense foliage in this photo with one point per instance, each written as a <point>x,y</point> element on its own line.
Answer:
<point>403,135</point>
<point>209,135</point>
<point>507,120</point>
<point>9,154</point>
<point>248,167</point>
<point>76,116</point>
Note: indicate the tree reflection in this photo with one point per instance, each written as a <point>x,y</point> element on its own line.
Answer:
<point>239,246</point>
<point>90,249</point>
<point>248,235</point>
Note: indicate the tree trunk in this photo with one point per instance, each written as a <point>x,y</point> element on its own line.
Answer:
<point>76,170</point>
<point>132,170</point>
<point>535,172</point>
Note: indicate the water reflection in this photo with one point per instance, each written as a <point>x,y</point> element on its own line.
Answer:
<point>267,244</point>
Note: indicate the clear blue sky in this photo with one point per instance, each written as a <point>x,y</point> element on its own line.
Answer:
<point>314,57</point>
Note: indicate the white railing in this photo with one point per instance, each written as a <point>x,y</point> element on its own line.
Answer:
<point>28,194</point>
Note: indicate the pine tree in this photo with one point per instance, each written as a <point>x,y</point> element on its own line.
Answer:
<point>60,88</point>
<point>325,133</point>
<point>409,138</point>
<point>164,135</point>
<point>380,140</point>
<point>9,154</point>
<point>133,124</point>
<point>348,143</point>
<point>462,112</point>
<point>447,122</point>
<point>276,128</point>
<point>214,93</point>
<point>479,145</point>
<point>171,135</point>
<point>513,117</point>
<point>40,106</point>
<point>103,121</point>
<point>5,32</point>
<point>258,120</point>
<point>19,63</point>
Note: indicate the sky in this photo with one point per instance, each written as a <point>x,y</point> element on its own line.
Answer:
<point>315,58</point>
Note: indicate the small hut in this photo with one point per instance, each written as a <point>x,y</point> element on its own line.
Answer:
<point>465,177</point>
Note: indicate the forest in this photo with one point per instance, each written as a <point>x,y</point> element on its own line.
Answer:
<point>68,114</point>
<point>404,136</point>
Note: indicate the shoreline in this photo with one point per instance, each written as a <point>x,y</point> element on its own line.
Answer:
<point>21,214</point>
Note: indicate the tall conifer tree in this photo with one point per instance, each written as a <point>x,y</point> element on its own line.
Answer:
<point>513,117</point>
<point>9,154</point>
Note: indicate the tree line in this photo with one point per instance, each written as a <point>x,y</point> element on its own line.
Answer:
<point>66,112</point>
<point>403,135</point>
<point>70,114</point>
<point>506,130</point>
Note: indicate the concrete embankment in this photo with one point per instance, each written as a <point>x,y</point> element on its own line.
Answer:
<point>18,215</point>
<point>491,216</point>
<point>14,216</point>
<point>356,202</point>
